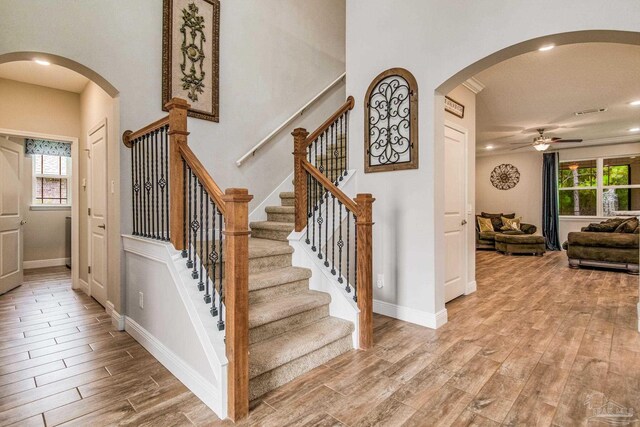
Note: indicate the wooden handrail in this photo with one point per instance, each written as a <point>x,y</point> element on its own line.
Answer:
<point>129,136</point>
<point>345,107</point>
<point>205,179</point>
<point>330,186</point>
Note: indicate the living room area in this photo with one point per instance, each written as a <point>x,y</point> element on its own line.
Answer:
<point>557,167</point>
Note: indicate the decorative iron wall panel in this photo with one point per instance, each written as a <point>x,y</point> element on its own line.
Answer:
<point>391,122</point>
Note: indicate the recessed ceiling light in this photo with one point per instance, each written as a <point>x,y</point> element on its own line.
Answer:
<point>634,103</point>
<point>547,47</point>
<point>634,130</point>
<point>42,62</point>
<point>489,147</point>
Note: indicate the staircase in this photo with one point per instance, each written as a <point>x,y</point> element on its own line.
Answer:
<point>290,330</point>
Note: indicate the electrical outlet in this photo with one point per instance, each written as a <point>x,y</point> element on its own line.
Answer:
<point>380,281</point>
<point>141,299</point>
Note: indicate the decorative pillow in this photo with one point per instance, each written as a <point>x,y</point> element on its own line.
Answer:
<point>485,224</point>
<point>627,226</point>
<point>510,224</point>
<point>510,216</point>
<point>608,226</point>
<point>495,219</point>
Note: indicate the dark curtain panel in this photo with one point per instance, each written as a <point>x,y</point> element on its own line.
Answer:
<point>550,210</point>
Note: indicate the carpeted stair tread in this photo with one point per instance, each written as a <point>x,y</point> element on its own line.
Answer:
<point>286,306</point>
<point>272,225</point>
<point>268,279</point>
<point>273,353</point>
<point>281,209</point>
<point>260,248</point>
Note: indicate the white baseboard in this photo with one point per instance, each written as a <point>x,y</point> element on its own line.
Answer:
<point>422,318</point>
<point>205,391</point>
<point>117,319</point>
<point>471,287</point>
<point>41,263</point>
<point>84,286</point>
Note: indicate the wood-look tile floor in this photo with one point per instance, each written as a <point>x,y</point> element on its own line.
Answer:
<point>537,344</point>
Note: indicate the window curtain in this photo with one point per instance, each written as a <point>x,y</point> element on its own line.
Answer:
<point>47,147</point>
<point>550,209</point>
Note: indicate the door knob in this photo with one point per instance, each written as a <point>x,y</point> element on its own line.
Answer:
<point>464,222</point>
<point>102,226</point>
<point>23,222</point>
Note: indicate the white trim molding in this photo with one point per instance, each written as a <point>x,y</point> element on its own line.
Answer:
<point>206,392</point>
<point>474,85</point>
<point>84,286</point>
<point>471,287</point>
<point>411,315</point>
<point>117,319</point>
<point>41,263</point>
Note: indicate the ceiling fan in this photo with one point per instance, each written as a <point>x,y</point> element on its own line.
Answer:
<point>542,142</point>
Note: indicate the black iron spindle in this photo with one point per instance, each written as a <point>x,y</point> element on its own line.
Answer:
<point>185,218</point>
<point>195,225</point>
<point>348,272</point>
<point>156,187</point>
<point>133,191</point>
<point>355,258</point>
<point>320,221</point>
<point>308,178</point>
<point>346,143</point>
<point>326,228</point>
<point>162,184</point>
<point>213,259</point>
<point>152,181</point>
<point>201,283</point>
<point>313,211</point>
<point>340,245</point>
<point>341,150</point>
<point>188,191</point>
<point>166,174</point>
<point>333,235</point>
<point>220,272</point>
<point>205,259</point>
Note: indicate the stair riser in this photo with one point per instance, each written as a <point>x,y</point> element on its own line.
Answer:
<point>270,330</point>
<point>262,233</point>
<point>258,265</point>
<point>289,371</point>
<point>287,201</point>
<point>281,217</point>
<point>265,294</point>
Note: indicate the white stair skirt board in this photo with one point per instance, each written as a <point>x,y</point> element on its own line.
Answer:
<point>41,263</point>
<point>411,315</point>
<point>342,304</point>
<point>273,199</point>
<point>117,320</point>
<point>171,320</point>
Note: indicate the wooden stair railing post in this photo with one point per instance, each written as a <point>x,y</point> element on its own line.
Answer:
<point>177,135</point>
<point>237,300</point>
<point>364,228</point>
<point>300,177</point>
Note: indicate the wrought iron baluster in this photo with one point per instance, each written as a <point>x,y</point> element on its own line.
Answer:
<point>189,219</point>
<point>326,228</point>
<point>320,221</point>
<point>355,258</point>
<point>340,245</point>
<point>134,193</point>
<point>314,189</point>
<point>185,218</point>
<point>143,179</point>
<point>348,272</point>
<point>333,235</point>
<point>137,188</point>
<point>156,186</point>
<point>213,259</point>
<point>308,178</point>
<point>166,174</point>
<point>341,150</point>
<point>201,283</point>
<point>162,184</point>
<point>346,144</point>
<point>207,296</point>
<point>220,273</point>
<point>153,180</point>
<point>195,225</point>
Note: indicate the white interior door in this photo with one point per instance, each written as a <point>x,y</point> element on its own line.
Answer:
<point>97,202</point>
<point>455,201</point>
<point>11,164</point>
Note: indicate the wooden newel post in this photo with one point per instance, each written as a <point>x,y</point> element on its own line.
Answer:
<point>364,228</point>
<point>237,300</point>
<point>300,177</point>
<point>177,135</point>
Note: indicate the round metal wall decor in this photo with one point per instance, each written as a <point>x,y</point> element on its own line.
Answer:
<point>505,176</point>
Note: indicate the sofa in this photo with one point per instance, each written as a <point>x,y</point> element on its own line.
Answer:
<point>608,244</point>
<point>487,239</point>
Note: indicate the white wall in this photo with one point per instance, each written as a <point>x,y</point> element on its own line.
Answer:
<point>525,199</point>
<point>31,108</point>
<point>436,40</point>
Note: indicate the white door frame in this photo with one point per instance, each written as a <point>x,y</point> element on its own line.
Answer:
<point>91,131</point>
<point>75,191</point>
<point>469,287</point>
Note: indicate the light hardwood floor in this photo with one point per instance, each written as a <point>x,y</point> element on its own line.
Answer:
<point>537,344</point>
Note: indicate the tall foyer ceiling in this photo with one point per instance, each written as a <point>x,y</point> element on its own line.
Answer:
<point>544,89</point>
<point>53,76</point>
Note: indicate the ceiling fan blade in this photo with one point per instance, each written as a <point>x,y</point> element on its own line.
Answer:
<point>519,143</point>
<point>568,140</point>
<point>520,148</point>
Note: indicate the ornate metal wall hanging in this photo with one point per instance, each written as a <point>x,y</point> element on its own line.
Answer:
<point>505,176</point>
<point>391,122</point>
<point>190,51</point>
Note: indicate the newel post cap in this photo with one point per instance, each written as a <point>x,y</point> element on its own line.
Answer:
<point>300,132</point>
<point>177,103</point>
<point>237,195</point>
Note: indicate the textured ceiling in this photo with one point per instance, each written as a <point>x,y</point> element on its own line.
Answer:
<point>544,89</point>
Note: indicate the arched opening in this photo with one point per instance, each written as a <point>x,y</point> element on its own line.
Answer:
<point>49,100</point>
<point>600,161</point>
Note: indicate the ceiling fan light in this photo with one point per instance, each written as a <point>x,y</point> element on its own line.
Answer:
<point>541,147</point>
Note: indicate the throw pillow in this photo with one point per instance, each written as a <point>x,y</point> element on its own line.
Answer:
<point>510,216</point>
<point>495,219</point>
<point>485,224</point>
<point>627,226</point>
<point>608,226</point>
<point>510,224</point>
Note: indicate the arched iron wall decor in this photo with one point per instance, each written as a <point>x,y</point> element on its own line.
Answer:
<point>391,122</point>
<point>505,176</point>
